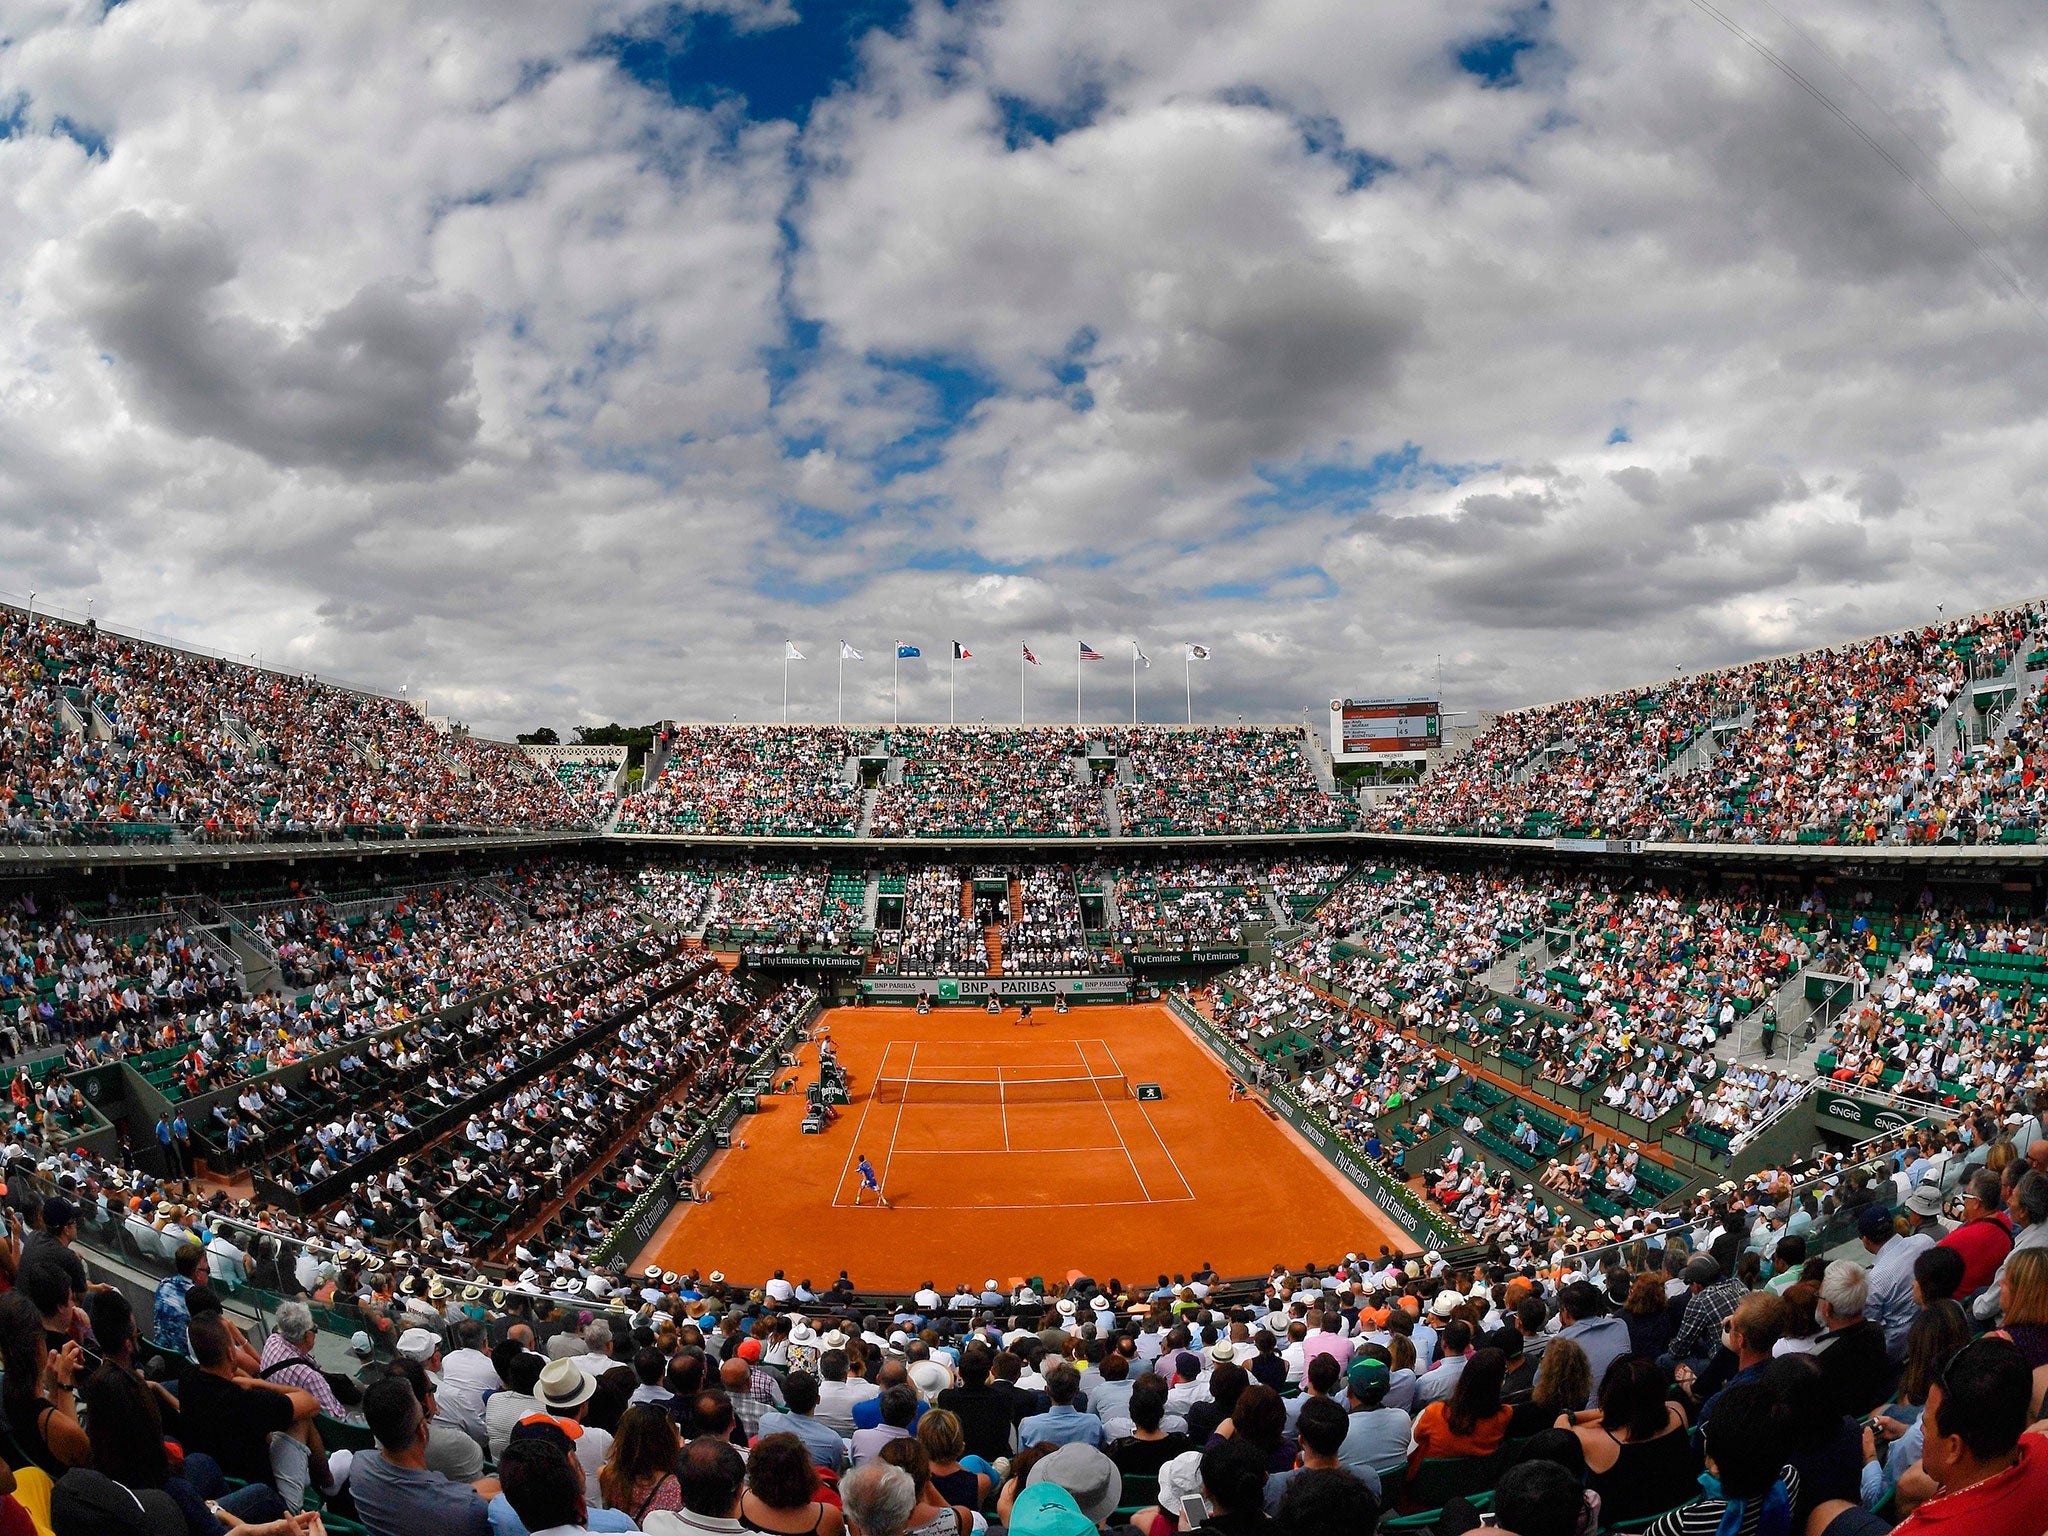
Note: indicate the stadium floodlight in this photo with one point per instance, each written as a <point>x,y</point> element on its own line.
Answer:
<point>31,605</point>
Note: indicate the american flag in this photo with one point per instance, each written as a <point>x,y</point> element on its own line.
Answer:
<point>1089,653</point>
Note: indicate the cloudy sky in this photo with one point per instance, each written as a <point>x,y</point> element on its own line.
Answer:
<point>558,358</point>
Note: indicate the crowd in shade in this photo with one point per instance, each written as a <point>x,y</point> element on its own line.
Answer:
<point>1047,937</point>
<point>990,783</point>
<point>1839,745</point>
<point>940,934</point>
<point>796,903</point>
<point>1178,902</point>
<point>757,782</point>
<point>100,734</point>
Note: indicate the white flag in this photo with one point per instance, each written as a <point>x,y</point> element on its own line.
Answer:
<point>848,653</point>
<point>1139,651</point>
<point>790,652</point>
<point>1197,652</point>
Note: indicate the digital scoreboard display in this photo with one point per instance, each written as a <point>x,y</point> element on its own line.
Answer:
<point>1380,728</point>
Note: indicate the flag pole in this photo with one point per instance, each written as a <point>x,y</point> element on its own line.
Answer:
<point>1020,685</point>
<point>895,660</point>
<point>842,682</point>
<point>1187,662</point>
<point>1134,682</point>
<point>950,667</point>
<point>785,682</point>
<point>1077,682</point>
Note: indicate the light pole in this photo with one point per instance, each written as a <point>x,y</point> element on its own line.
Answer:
<point>31,605</point>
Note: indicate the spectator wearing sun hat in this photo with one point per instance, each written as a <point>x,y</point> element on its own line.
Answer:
<point>564,1393</point>
<point>1088,1476</point>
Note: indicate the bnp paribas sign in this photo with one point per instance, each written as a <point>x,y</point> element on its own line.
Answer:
<point>1864,1112</point>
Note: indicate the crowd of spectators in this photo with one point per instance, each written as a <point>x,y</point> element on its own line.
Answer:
<point>989,783</point>
<point>1833,745</point>
<point>1047,937</point>
<point>102,735</point>
<point>1222,779</point>
<point>940,935</point>
<point>1178,903</point>
<point>764,781</point>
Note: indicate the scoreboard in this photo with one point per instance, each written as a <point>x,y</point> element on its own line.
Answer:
<point>1376,730</point>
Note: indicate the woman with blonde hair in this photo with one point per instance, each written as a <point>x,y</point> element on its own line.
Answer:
<point>944,1443</point>
<point>2023,1299</point>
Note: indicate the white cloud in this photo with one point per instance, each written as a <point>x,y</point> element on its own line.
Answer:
<point>422,344</point>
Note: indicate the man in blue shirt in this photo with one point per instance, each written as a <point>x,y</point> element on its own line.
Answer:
<point>800,1394</point>
<point>1062,1424</point>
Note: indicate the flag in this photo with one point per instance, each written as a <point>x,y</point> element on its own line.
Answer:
<point>1089,653</point>
<point>848,653</point>
<point>790,652</point>
<point>1031,658</point>
<point>1138,651</point>
<point>1197,652</point>
<point>907,651</point>
<point>961,653</point>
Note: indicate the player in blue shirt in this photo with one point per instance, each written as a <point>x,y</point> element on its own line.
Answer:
<point>868,1181</point>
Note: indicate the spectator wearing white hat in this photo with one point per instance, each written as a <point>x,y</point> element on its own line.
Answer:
<point>564,1393</point>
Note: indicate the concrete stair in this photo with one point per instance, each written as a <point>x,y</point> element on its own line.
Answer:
<point>992,936</point>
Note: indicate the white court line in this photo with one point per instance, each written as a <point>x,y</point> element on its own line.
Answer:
<point>909,1073</point>
<point>998,1151</point>
<point>1110,1115</point>
<point>867,1103</point>
<point>1170,1158</point>
<point>1054,1205</point>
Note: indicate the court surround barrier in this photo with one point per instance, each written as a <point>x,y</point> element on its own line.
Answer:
<point>1400,1204</point>
<point>1005,989</point>
<point>637,1227</point>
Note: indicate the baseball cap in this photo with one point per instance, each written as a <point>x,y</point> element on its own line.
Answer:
<point>1701,1269</point>
<point>417,1344</point>
<point>1367,1377</point>
<point>58,1213</point>
<point>1046,1509</point>
<point>1874,1220</point>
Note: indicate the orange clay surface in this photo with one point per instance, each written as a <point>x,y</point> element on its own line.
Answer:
<point>1110,1187</point>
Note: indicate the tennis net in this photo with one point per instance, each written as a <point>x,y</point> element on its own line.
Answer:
<point>1003,1089</point>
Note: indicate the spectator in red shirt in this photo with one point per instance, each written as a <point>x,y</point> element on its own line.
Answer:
<point>1985,1237</point>
<point>1989,1476</point>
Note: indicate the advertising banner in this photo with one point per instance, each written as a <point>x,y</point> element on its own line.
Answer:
<point>955,989</point>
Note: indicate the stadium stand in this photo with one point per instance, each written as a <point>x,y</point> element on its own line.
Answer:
<point>438,1109</point>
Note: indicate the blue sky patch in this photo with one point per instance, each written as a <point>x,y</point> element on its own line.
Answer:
<point>1496,59</point>
<point>700,58</point>
<point>93,142</point>
<point>1336,485</point>
<point>1618,435</point>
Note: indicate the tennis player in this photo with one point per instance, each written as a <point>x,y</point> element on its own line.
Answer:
<point>868,1181</point>
<point>1024,1013</point>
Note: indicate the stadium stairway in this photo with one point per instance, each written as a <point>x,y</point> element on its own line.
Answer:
<point>1316,754</point>
<point>1112,810</point>
<point>992,936</point>
<point>867,823</point>
<point>871,903</point>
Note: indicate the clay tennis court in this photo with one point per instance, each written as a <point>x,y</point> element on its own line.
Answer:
<point>1009,1151</point>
